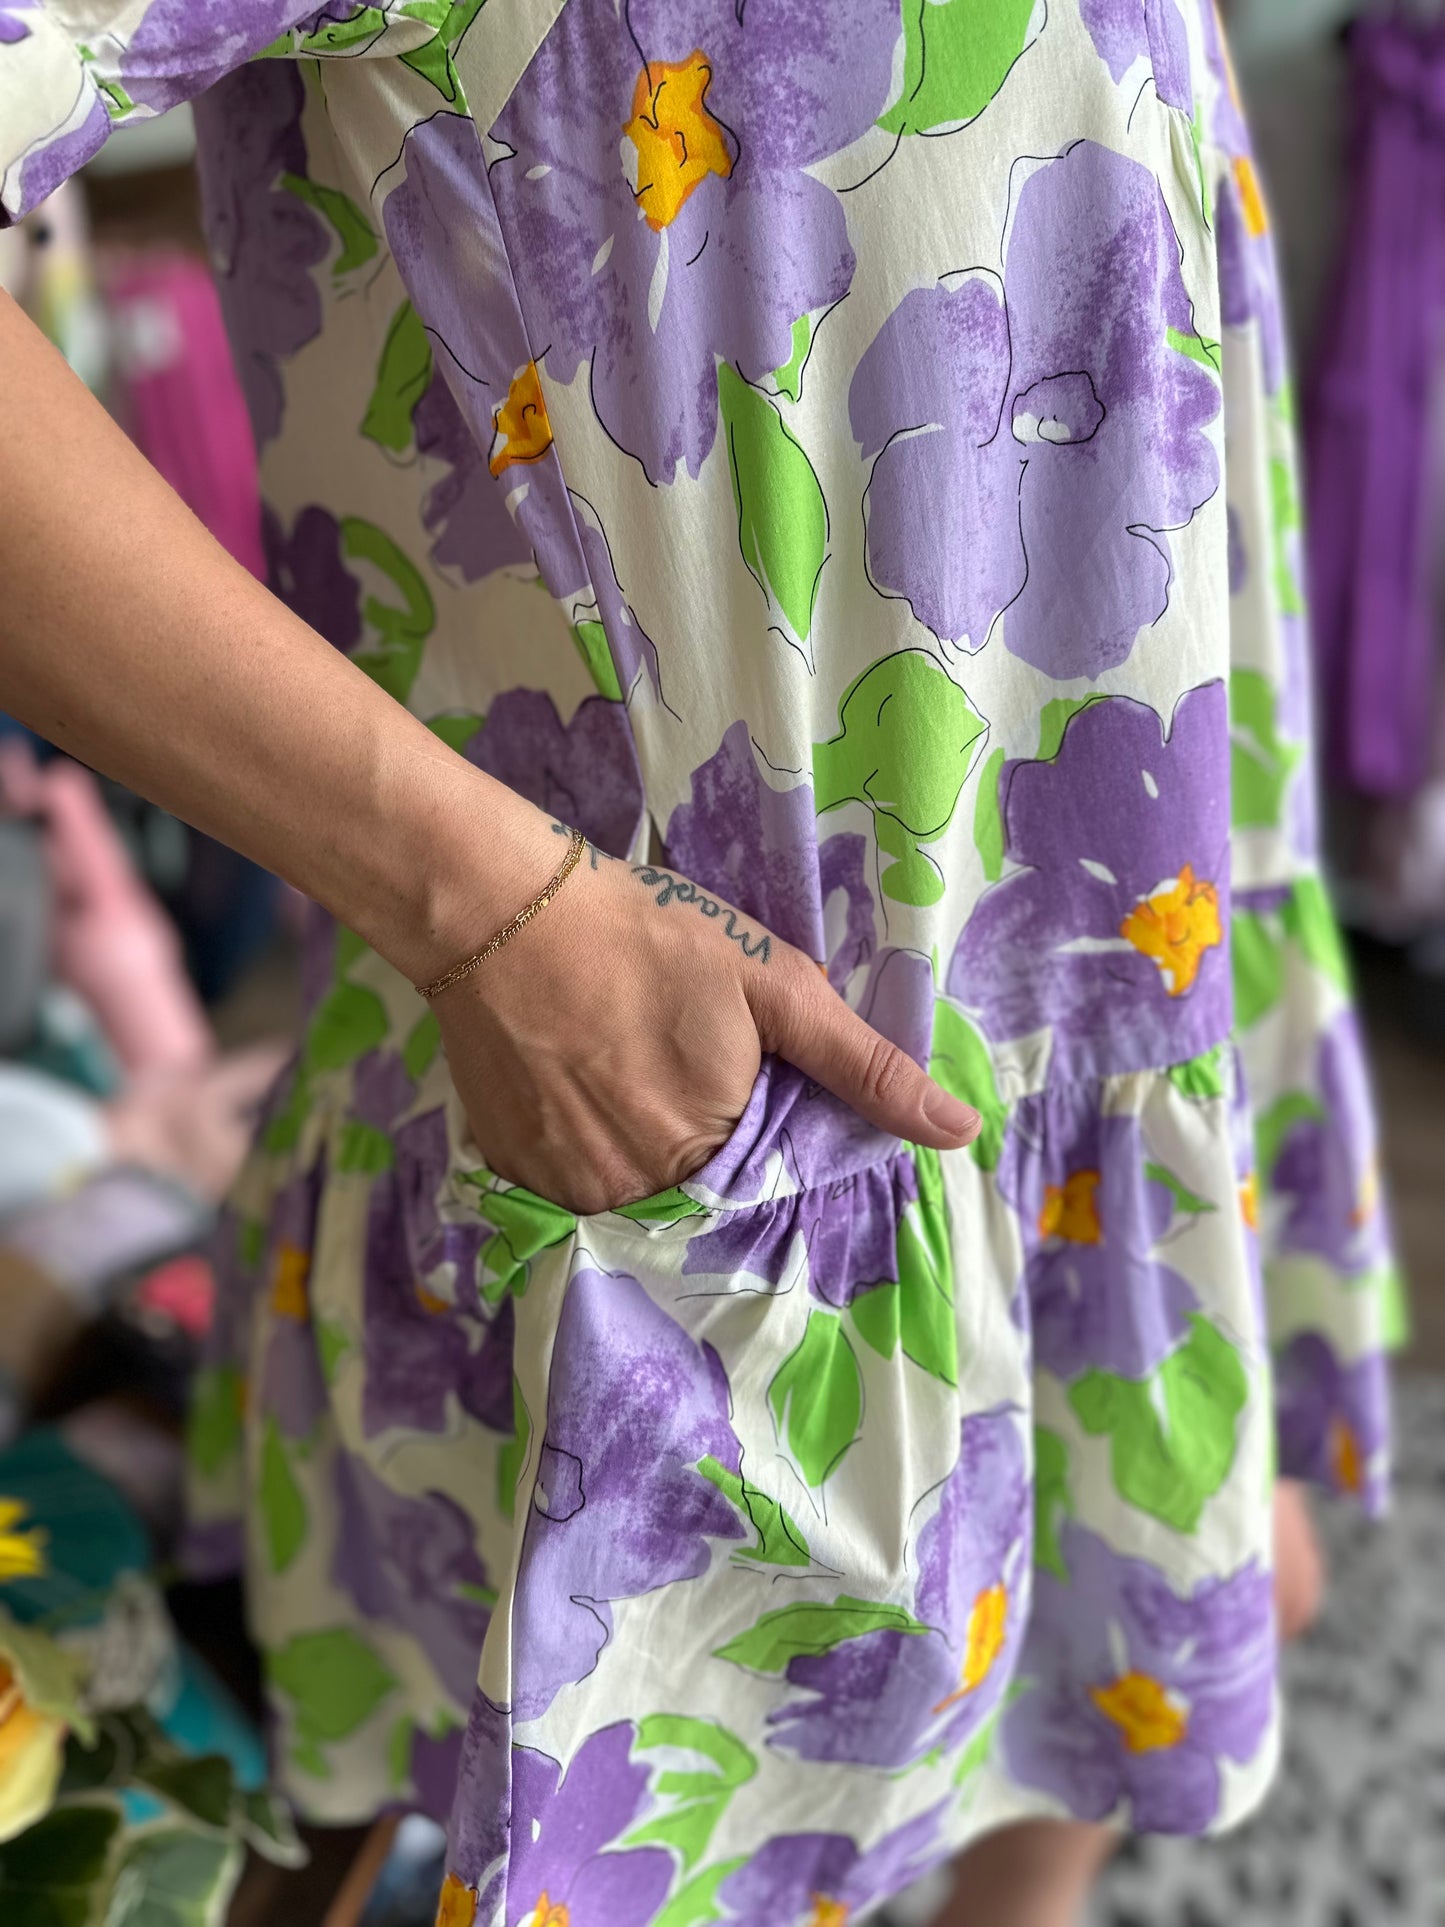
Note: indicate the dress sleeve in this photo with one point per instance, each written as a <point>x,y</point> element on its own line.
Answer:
<point>70,70</point>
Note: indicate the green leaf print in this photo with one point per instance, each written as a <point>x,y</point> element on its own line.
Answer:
<point>170,1876</point>
<point>401,628</point>
<point>697,1904</point>
<point>347,36</point>
<point>809,1628</point>
<point>457,728</point>
<point>1196,348</point>
<point>402,377</point>
<point>355,233</point>
<point>54,1873</point>
<point>1273,1126</point>
<point>591,641</point>
<point>433,61</point>
<point>1203,1077</point>
<point>907,742</point>
<point>816,1398</point>
<point>664,1207</point>
<point>988,817</point>
<point>1257,963</point>
<point>423,1041</point>
<point>1173,1436</point>
<point>978,1751</point>
<point>214,1433</point>
<point>1185,1200</point>
<point>960,1061</point>
<point>333,1342</point>
<point>1052,1502</point>
<point>956,56</point>
<point>790,376</point>
<point>282,1508</point>
<point>512,1459</point>
<point>917,1312</point>
<point>282,1131</point>
<point>525,1224</point>
<point>1054,719</point>
<point>364,1151</point>
<point>782,517</point>
<point>334,1681</point>
<point>1260,762</point>
<point>696,1797</point>
<point>347,1023</point>
<point>780,1542</point>
<point>1309,919</point>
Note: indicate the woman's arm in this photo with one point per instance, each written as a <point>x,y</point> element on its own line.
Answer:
<point>604,1052</point>
<point>130,638</point>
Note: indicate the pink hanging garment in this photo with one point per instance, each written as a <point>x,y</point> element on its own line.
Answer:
<point>181,401</point>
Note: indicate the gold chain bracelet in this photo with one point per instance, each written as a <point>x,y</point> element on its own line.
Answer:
<point>575,847</point>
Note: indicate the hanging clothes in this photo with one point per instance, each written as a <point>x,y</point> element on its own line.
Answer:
<point>1370,427</point>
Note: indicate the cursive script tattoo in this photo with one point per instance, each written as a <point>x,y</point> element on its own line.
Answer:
<point>667,889</point>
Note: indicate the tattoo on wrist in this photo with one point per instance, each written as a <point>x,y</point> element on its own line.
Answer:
<point>667,889</point>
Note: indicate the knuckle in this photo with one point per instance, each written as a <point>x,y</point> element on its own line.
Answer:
<point>885,1070</point>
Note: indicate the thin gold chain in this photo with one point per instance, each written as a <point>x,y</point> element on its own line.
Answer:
<point>575,847</point>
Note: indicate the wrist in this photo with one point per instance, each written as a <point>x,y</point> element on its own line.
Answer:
<point>462,854</point>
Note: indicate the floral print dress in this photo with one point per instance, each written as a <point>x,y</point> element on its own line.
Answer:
<point>838,452</point>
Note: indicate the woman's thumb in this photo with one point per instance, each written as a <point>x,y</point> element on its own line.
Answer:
<point>801,1019</point>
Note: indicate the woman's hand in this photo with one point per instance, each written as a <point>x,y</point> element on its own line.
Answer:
<point>609,1049</point>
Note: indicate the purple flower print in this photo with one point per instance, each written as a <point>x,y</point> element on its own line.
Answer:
<point>1327,1166</point>
<point>658,205</point>
<point>620,1508</point>
<point>481,1813</point>
<point>13,27</point>
<point>1136,1694</point>
<point>631,648</point>
<point>264,241</point>
<point>888,1698</point>
<point>425,1337</point>
<point>182,47</point>
<point>1091,1216</point>
<point>584,773</point>
<point>1248,276</point>
<point>1123,31</point>
<point>1113,933</point>
<point>412,1561</point>
<point>1333,1419</point>
<point>307,570</point>
<point>562,1827</point>
<point>442,228</point>
<point>822,1880</point>
<point>47,167</point>
<point>293,1387</point>
<point>849,1231</point>
<point>433,1769</point>
<point>466,510</point>
<point>753,842</point>
<point>1033,442</point>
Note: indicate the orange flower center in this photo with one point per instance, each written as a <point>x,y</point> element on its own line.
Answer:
<point>458,1904</point>
<point>828,1913</point>
<point>1069,1210</point>
<point>429,1301</point>
<point>677,140</point>
<point>1347,1462</point>
<point>987,1628</point>
<point>550,1913</point>
<point>1249,1201</point>
<point>1144,1712</point>
<point>288,1283</point>
<point>1251,197</point>
<point>1175,927</point>
<point>523,432</point>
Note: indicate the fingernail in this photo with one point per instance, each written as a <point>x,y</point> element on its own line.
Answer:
<point>948,1114</point>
